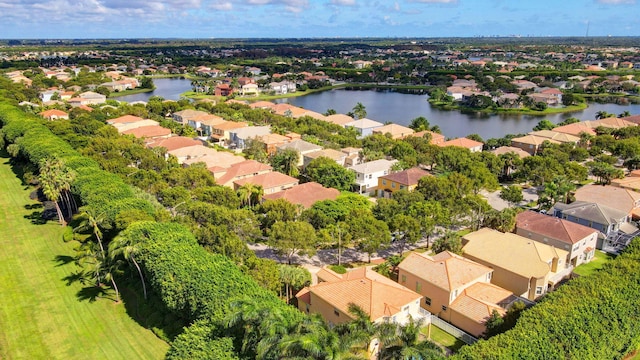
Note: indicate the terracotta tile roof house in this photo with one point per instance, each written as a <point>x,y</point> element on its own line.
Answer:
<point>396,131</point>
<point>183,116</point>
<point>579,240</point>
<point>222,132</point>
<point>271,182</point>
<point>54,114</point>
<point>557,136</point>
<point>289,110</point>
<point>126,119</point>
<point>381,298</point>
<point>633,118</point>
<point>174,143</point>
<point>530,143</point>
<point>305,194</point>
<point>242,170</point>
<point>530,269</point>
<point>401,180</point>
<point>218,163</point>
<point>631,182</point>
<point>335,155</point>
<point>612,122</point>
<point>187,153</point>
<point>272,141</point>
<point>472,145</point>
<point>625,200</point>
<point>149,132</point>
<point>339,119</point>
<point>301,147</point>
<point>122,127</point>
<point>436,139</point>
<point>576,129</point>
<point>262,105</point>
<point>510,149</point>
<point>456,289</point>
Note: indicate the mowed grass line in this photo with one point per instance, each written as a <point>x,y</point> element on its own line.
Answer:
<point>41,316</point>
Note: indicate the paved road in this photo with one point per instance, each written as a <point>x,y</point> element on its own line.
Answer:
<point>493,198</point>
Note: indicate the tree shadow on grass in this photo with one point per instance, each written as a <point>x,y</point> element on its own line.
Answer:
<point>92,293</point>
<point>62,260</point>
<point>36,218</point>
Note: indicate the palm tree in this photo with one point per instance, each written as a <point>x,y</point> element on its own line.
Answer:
<point>406,344</point>
<point>91,222</point>
<point>127,247</point>
<point>55,179</point>
<point>359,111</point>
<point>603,115</point>
<point>99,268</point>
<point>313,339</point>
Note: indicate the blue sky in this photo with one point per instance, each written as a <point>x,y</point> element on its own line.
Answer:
<point>315,18</point>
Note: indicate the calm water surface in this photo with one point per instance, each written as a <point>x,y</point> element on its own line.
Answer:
<point>400,108</point>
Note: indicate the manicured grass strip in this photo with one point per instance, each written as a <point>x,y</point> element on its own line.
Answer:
<point>600,258</point>
<point>443,338</point>
<point>41,316</point>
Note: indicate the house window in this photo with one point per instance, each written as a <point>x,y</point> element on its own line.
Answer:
<point>444,307</point>
<point>539,290</point>
<point>406,309</point>
<point>393,185</point>
<point>336,312</point>
<point>384,182</point>
<point>404,278</point>
<point>370,176</point>
<point>418,287</point>
<point>308,306</point>
<point>489,276</point>
<point>427,301</point>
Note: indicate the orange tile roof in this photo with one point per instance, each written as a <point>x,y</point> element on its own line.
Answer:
<point>510,149</point>
<point>435,137</point>
<point>174,143</point>
<point>396,131</point>
<point>478,301</point>
<point>305,194</point>
<point>126,119</point>
<point>242,168</point>
<point>445,270</point>
<point>229,125</point>
<point>612,196</point>
<point>152,131</point>
<point>262,104</point>
<point>274,139</point>
<point>461,142</point>
<point>267,181</point>
<point>553,227</point>
<point>53,112</point>
<point>407,177</point>
<point>376,295</point>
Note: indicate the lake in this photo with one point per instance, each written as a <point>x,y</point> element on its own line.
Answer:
<point>401,108</point>
<point>167,88</point>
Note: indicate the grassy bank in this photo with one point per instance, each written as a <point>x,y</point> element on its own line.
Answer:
<point>523,111</point>
<point>42,316</point>
<point>129,92</point>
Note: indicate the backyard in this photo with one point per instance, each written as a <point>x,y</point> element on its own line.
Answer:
<point>43,315</point>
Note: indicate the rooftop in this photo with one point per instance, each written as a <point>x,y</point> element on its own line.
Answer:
<point>552,227</point>
<point>407,177</point>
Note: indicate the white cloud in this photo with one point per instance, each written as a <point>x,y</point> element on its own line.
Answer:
<point>435,1</point>
<point>343,2</point>
<point>616,2</point>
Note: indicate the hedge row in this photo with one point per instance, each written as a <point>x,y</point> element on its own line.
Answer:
<point>594,317</point>
<point>194,284</point>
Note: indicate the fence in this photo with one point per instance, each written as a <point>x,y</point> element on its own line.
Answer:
<point>460,334</point>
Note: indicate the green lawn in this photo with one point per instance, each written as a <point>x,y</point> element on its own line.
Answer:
<point>41,317</point>
<point>597,263</point>
<point>443,338</point>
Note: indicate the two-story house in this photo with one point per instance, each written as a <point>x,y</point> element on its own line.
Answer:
<point>455,289</point>
<point>401,180</point>
<point>301,147</point>
<point>525,267</point>
<point>381,298</point>
<point>612,223</point>
<point>579,240</point>
<point>364,127</point>
<point>367,174</point>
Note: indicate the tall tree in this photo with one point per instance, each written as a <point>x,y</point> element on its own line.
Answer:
<point>289,238</point>
<point>359,110</point>
<point>127,248</point>
<point>286,162</point>
<point>368,233</point>
<point>55,181</point>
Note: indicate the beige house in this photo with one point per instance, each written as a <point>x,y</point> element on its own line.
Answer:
<point>271,182</point>
<point>625,200</point>
<point>245,169</point>
<point>455,289</point>
<point>527,268</point>
<point>382,298</point>
<point>335,155</point>
<point>396,131</point>
<point>472,145</point>
<point>579,240</point>
<point>531,143</point>
<point>301,147</point>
